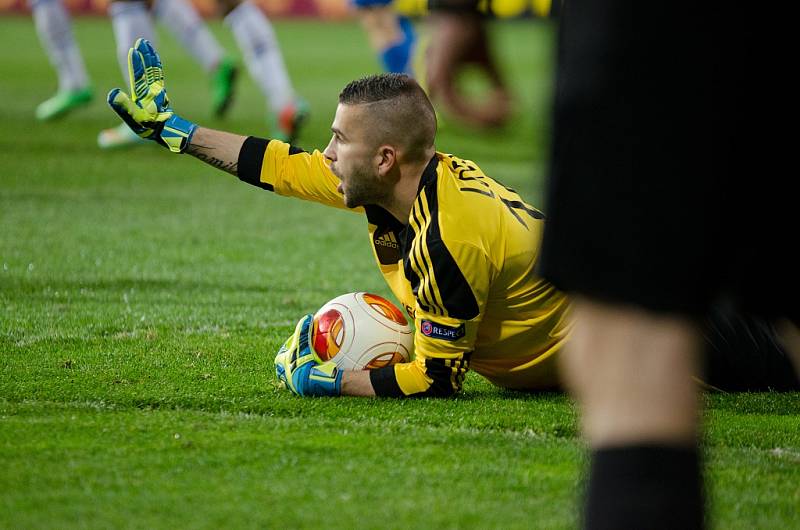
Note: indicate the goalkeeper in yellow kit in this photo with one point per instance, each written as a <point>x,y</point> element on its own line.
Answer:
<point>462,246</point>
<point>457,248</point>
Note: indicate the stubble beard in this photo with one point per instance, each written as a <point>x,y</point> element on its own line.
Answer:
<point>363,188</point>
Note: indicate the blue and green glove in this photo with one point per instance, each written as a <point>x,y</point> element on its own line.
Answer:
<point>299,368</point>
<point>147,111</point>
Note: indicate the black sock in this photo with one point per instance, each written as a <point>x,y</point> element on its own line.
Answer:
<point>644,487</point>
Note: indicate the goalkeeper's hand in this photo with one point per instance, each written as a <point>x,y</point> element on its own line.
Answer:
<point>147,111</point>
<point>299,368</point>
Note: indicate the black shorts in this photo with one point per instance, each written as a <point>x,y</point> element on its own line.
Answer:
<point>664,191</point>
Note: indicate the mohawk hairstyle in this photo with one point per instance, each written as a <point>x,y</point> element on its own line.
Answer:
<point>378,87</point>
<point>400,111</point>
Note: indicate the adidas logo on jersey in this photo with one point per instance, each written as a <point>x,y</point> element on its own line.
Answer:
<point>387,240</point>
<point>386,246</point>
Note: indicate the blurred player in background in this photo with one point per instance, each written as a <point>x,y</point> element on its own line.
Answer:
<point>256,40</point>
<point>184,22</point>
<point>658,117</point>
<point>391,35</point>
<point>458,39</point>
<point>54,29</point>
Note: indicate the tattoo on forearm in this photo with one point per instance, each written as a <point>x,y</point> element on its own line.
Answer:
<point>204,153</point>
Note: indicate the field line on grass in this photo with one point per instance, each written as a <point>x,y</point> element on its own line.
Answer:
<point>97,405</point>
<point>785,454</point>
<point>338,424</point>
<point>212,329</point>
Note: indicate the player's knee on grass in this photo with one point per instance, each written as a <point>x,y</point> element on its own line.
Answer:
<point>790,335</point>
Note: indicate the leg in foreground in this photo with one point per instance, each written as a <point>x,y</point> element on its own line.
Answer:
<point>631,372</point>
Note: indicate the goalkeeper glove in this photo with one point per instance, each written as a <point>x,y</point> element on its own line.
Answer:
<point>147,111</point>
<point>299,368</point>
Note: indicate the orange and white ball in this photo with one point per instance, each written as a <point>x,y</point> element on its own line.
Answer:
<point>362,331</point>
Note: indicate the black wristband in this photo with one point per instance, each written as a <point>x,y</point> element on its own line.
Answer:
<point>251,157</point>
<point>384,382</point>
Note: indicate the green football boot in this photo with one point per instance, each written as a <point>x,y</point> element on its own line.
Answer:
<point>63,102</point>
<point>223,81</point>
<point>290,120</point>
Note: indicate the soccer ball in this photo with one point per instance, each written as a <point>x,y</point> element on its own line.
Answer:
<point>361,331</point>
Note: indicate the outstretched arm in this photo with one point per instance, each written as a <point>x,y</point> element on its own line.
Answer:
<point>268,164</point>
<point>148,112</point>
<point>217,148</point>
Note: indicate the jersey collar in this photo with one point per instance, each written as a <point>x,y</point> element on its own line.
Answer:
<point>381,217</point>
<point>429,173</point>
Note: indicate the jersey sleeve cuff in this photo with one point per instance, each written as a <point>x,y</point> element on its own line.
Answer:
<point>251,158</point>
<point>384,382</point>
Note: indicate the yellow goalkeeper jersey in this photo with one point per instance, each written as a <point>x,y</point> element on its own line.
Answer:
<point>462,266</point>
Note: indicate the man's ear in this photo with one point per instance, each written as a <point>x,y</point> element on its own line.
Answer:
<point>387,160</point>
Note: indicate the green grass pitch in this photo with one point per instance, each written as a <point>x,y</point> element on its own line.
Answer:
<point>143,295</point>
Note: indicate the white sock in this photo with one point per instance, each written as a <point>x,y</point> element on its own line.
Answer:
<point>256,40</point>
<point>183,21</point>
<point>130,20</point>
<point>55,32</point>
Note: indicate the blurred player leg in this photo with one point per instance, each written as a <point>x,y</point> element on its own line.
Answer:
<point>257,41</point>
<point>55,32</point>
<point>130,21</point>
<point>458,39</point>
<point>631,373</point>
<point>644,279</point>
<point>391,35</point>
<point>183,20</point>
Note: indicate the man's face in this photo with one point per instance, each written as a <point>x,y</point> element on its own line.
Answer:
<point>354,158</point>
